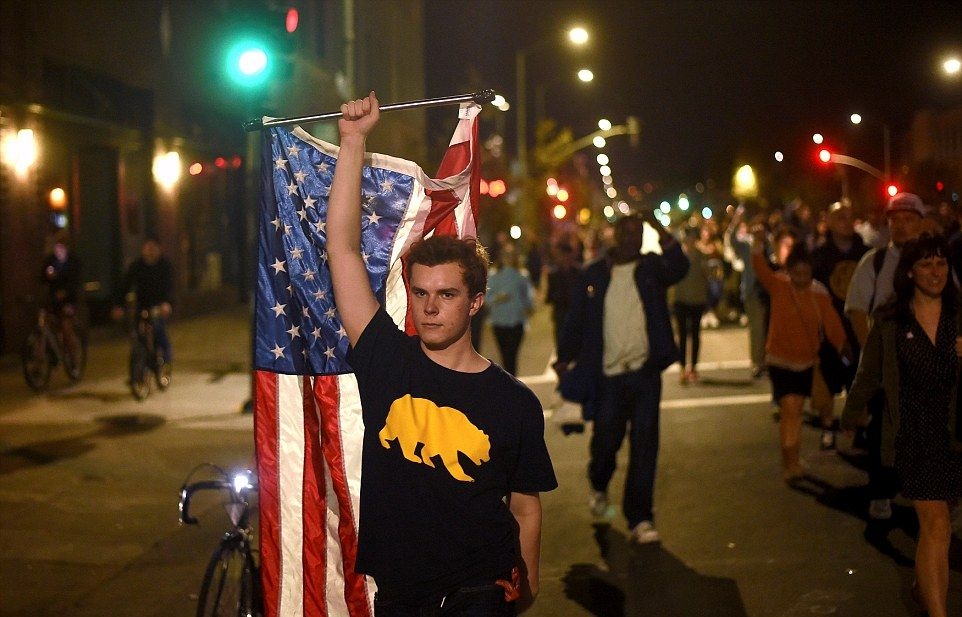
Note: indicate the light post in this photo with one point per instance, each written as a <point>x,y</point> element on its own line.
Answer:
<point>577,36</point>
<point>886,145</point>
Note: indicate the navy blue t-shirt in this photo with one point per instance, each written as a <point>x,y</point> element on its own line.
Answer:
<point>442,450</point>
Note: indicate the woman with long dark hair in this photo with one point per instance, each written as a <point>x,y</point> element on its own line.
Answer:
<point>912,353</point>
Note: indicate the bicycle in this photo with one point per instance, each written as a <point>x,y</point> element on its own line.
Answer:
<point>231,585</point>
<point>147,362</point>
<point>50,344</point>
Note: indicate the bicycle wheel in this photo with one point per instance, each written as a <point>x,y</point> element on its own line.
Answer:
<point>228,589</point>
<point>36,361</point>
<point>139,372</point>
<point>75,355</point>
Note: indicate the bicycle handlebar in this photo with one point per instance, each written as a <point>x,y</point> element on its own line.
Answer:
<point>187,491</point>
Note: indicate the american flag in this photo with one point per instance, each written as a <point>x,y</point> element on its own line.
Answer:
<point>307,413</point>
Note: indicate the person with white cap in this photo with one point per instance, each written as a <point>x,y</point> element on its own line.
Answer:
<point>871,287</point>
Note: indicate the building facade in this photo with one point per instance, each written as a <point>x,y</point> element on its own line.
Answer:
<point>119,124</point>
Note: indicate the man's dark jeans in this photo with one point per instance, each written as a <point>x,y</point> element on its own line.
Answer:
<point>631,399</point>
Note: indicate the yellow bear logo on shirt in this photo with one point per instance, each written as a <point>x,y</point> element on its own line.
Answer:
<point>443,431</point>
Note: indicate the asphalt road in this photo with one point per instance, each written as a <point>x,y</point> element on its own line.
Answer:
<point>89,480</point>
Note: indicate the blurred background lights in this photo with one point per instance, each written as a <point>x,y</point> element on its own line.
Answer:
<point>706,213</point>
<point>605,170</point>
<point>585,75</point>
<point>57,198</point>
<point>665,207</point>
<point>515,232</point>
<point>683,202</point>
<point>952,66</point>
<point>562,195</point>
<point>779,156</point>
<point>609,211</point>
<point>611,192</point>
<point>604,125</point>
<point>167,169</point>
<point>817,138</point>
<point>856,118</point>
<point>578,35</point>
<point>20,151</point>
<point>599,141</point>
<point>559,211</point>
<point>603,159</point>
<point>196,169</point>
<point>623,207</point>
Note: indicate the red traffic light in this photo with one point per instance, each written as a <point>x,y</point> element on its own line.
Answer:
<point>892,190</point>
<point>824,155</point>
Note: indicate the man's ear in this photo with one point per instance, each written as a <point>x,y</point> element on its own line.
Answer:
<point>476,303</point>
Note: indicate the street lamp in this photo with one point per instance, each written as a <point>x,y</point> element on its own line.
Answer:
<point>886,143</point>
<point>578,36</point>
<point>952,66</point>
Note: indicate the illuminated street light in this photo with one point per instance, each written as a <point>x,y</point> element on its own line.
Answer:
<point>683,203</point>
<point>578,36</point>
<point>779,156</point>
<point>602,159</point>
<point>585,75</point>
<point>817,138</point>
<point>744,184</point>
<point>599,141</point>
<point>856,118</point>
<point>167,169</point>
<point>604,124</point>
<point>605,170</point>
<point>952,66</point>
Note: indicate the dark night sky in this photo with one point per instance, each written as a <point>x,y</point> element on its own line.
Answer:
<point>714,83</point>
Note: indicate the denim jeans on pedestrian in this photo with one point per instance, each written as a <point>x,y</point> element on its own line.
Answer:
<point>161,340</point>
<point>474,601</point>
<point>629,404</point>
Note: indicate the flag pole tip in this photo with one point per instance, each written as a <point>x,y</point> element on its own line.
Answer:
<point>484,96</point>
<point>254,124</point>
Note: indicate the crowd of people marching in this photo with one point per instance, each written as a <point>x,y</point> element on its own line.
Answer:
<point>831,303</point>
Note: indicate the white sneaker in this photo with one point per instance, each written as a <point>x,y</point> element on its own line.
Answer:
<point>645,533</point>
<point>880,509</point>
<point>598,502</point>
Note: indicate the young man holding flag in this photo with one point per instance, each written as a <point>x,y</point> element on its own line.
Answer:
<point>453,452</point>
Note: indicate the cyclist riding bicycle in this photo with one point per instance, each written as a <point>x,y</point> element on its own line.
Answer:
<point>61,275</point>
<point>150,279</point>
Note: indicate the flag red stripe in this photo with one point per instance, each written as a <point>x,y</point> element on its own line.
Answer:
<point>265,432</point>
<point>327,395</point>
<point>313,509</point>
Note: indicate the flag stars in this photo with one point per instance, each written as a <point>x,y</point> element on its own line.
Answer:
<point>293,150</point>
<point>329,352</point>
<point>387,186</point>
<point>330,313</point>
<point>295,332</point>
<point>323,168</point>
<point>280,163</point>
<point>292,189</point>
<point>278,309</point>
<point>365,257</point>
<point>373,218</point>
<point>320,227</point>
<point>279,266</point>
<point>276,223</point>
<point>299,175</point>
<point>320,295</point>
<point>316,333</point>
<point>323,257</point>
<point>287,229</point>
<point>308,275</point>
<point>306,312</point>
<point>278,351</point>
<point>297,252</point>
<point>341,332</point>
<point>302,214</point>
<point>309,202</point>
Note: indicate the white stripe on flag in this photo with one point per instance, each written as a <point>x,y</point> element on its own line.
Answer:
<point>290,403</point>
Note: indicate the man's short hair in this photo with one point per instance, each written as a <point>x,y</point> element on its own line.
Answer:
<point>468,253</point>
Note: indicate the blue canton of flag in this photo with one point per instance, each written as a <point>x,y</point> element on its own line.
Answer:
<point>297,328</point>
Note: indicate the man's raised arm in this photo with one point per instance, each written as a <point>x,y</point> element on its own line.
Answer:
<point>352,290</point>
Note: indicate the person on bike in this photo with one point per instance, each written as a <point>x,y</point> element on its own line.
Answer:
<point>431,532</point>
<point>150,278</point>
<point>61,274</point>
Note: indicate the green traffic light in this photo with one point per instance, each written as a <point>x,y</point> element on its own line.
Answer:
<point>249,63</point>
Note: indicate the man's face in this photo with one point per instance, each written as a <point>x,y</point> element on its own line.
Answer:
<point>441,305</point>
<point>629,235</point>
<point>904,226</point>
<point>841,223</point>
<point>800,275</point>
<point>150,252</point>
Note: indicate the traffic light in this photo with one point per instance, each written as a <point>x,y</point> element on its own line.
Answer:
<point>259,46</point>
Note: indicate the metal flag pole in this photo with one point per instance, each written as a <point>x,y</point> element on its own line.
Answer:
<point>480,97</point>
